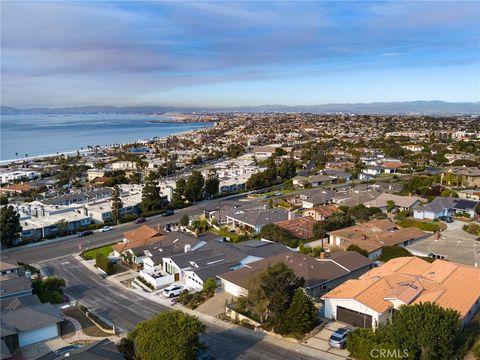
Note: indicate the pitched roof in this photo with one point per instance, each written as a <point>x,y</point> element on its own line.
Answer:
<point>261,217</point>
<point>141,233</point>
<point>6,264</point>
<point>301,228</point>
<point>375,234</point>
<point>12,284</point>
<point>440,203</point>
<point>19,302</point>
<point>314,271</point>
<point>31,318</point>
<point>401,201</point>
<point>325,210</point>
<point>412,280</point>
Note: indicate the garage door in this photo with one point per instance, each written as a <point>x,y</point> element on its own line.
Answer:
<point>34,336</point>
<point>354,318</point>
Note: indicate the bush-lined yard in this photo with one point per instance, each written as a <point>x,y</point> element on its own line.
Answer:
<point>92,253</point>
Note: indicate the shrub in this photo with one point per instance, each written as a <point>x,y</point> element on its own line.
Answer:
<point>472,228</point>
<point>392,252</point>
<point>419,224</point>
<point>358,249</point>
<point>102,262</point>
<point>49,289</point>
<point>145,282</point>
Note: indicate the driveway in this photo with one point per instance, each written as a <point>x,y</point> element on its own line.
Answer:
<point>216,304</point>
<point>454,243</point>
<point>320,340</point>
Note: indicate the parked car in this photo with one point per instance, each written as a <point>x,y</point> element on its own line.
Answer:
<point>66,349</point>
<point>173,290</point>
<point>447,219</point>
<point>86,233</point>
<point>140,220</point>
<point>338,339</point>
<point>168,212</point>
<point>106,228</point>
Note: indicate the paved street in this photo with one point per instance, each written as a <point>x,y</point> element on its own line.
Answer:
<point>125,309</point>
<point>53,249</point>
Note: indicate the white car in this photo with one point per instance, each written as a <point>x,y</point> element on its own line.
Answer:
<point>173,290</point>
<point>106,228</point>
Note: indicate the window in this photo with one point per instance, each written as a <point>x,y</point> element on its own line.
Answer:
<point>324,287</point>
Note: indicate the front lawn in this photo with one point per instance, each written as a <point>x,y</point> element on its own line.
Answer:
<point>422,225</point>
<point>92,253</point>
<point>234,237</point>
<point>88,327</point>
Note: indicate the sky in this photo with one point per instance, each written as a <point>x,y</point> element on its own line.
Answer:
<point>228,53</point>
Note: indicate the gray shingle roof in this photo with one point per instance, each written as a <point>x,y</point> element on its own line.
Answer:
<point>19,302</point>
<point>31,318</point>
<point>100,350</point>
<point>261,217</point>
<point>440,203</point>
<point>12,284</point>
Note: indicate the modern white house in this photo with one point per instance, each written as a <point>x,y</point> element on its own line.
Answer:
<point>19,175</point>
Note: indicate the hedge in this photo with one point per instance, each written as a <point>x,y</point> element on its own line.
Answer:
<point>426,226</point>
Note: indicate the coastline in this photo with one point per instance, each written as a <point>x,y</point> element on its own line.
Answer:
<point>86,151</point>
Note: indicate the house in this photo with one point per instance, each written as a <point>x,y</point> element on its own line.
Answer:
<point>320,274</point>
<point>142,236</point>
<point>8,267</point>
<point>339,174</point>
<point>371,300</point>
<point>255,220</point>
<point>313,180</point>
<point>445,206</point>
<point>317,197</point>
<point>264,152</point>
<point>300,228</point>
<point>461,176</point>
<point>13,285</point>
<point>209,258</point>
<point>30,325</point>
<point>372,236</point>
<point>370,172</point>
<point>400,202</point>
<point>21,175</point>
<point>92,174</point>
<point>323,212</point>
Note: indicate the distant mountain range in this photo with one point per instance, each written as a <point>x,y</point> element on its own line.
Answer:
<point>423,107</point>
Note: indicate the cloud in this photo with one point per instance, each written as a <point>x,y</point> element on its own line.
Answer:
<point>48,47</point>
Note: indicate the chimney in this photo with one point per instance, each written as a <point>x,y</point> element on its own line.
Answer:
<point>322,255</point>
<point>188,248</point>
<point>85,211</point>
<point>291,215</point>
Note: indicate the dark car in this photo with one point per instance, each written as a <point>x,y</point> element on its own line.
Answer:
<point>447,219</point>
<point>168,213</point>
<point>86,233</point>
<point>140,220</point>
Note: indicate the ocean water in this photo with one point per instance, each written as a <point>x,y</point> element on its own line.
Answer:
<point>34,135</point>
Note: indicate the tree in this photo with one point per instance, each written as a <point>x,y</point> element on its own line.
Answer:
<point>103,263</point>
<point>117,205</point>
<point>49,289</point>
<point>151,199</point>
<point>10,228</point>
<point>427,330</point>
<point>449,193</point>
<point>278,283</point>
<point>390,205</point>
<point>211,185</point>
<point>209,287</point>
<point>62,226</point>
<point>392,252</point>
<point>184,220</point>
<point>179,193</point>
<point>194,186</point>
<point>170,335</point>
<point>276,233</point>
<point>358,249</point>
<point>301,316</point>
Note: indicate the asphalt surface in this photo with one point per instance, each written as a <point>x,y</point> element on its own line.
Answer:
<point>73,244</point>
<point>125,309</point>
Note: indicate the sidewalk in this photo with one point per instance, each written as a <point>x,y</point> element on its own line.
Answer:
<point>159,299</point>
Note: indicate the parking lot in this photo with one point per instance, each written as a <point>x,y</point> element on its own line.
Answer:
<point>320,340</point>
<point>454,243</point>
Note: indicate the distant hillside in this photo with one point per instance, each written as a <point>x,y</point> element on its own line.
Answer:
<point>423,107</point>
